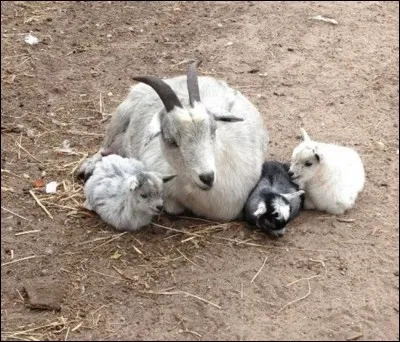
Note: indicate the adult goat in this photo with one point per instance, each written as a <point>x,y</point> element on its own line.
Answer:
<point>198,128</point>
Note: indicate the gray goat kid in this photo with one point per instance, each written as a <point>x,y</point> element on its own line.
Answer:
<point>123,193</point>
<point>198,128</point>
<point>275,200</point>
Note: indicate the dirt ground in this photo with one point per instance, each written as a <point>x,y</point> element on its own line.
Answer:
<point>66,275</point>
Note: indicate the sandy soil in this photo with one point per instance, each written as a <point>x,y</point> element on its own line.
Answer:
<point>326,279</point>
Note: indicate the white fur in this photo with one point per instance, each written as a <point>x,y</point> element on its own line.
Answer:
<point>114,192</point>
<point>261,209</point>
<point>235,154</point>
<point>333,183</point>
<point>281,208</point>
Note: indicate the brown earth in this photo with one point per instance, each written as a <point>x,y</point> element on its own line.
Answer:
<point>338,81</point>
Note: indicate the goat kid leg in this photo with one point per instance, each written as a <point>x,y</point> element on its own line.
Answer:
<point>87,167</point>
<point>308,204</point>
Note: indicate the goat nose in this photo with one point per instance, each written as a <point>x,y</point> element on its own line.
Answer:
<point>160,207</point>
<point>207,178</point>
<point>291,173</point>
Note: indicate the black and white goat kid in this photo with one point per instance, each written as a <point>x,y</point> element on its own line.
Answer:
<point>274,201</point>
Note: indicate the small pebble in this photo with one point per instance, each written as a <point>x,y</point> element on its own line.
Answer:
<point>380,144</point>
<point>109,35</point>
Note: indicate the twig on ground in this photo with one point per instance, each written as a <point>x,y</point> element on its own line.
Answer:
<point>298,299</point>
<point>11,212</point>
<point>252,280</point>
<point>198,219</point>
<point>345,220</point>
<point>309,285</point>
<point>40,204</point>
<point>112,239</point>
<point>186,257</point>
<point>21,259</point>
<point>19,149</point>
<point>22,148</point>
<point>122,274</point>
<point>186,294</point>
<point>175,230</point>
<point>175,326</point>
<point>74,132</point>
<point>10,173</point>
<point>79,163</point>
<point>28,232</point>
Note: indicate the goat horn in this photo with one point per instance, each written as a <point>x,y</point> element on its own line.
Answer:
<point>163,90</point>
<point>193,84</point>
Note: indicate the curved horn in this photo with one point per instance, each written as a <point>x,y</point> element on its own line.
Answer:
<point>163,90</point>
<point>193,84</point>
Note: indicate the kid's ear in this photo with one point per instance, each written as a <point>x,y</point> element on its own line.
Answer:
<point>261,209</point>
<point>293,195</point>
<point>317,155</point>
<point>304,135</point>
<point>133,183</point>
<point>166,179</point>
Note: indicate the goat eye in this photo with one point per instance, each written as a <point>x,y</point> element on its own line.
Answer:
<point>308,164</point>
<point>143,195</point>
<point>171,142</point>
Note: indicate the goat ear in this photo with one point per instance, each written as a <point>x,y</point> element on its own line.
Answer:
<point>293,195</point>
<point>227,118</point>
<point>218,112</point>
<point>133,182</point>
<point>317,155</point>
<point>304,135</point>
<point>166,179</point>
<point>261,209</point>
<point>154,129</point>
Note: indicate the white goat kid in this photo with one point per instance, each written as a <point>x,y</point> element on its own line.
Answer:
<point>123,193</point>
<point>332,176</point>
<point>198,128</point>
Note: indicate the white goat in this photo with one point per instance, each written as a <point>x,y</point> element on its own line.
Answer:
<point>123,193</point>
<point>332,176</point>
<point>209,135</point>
